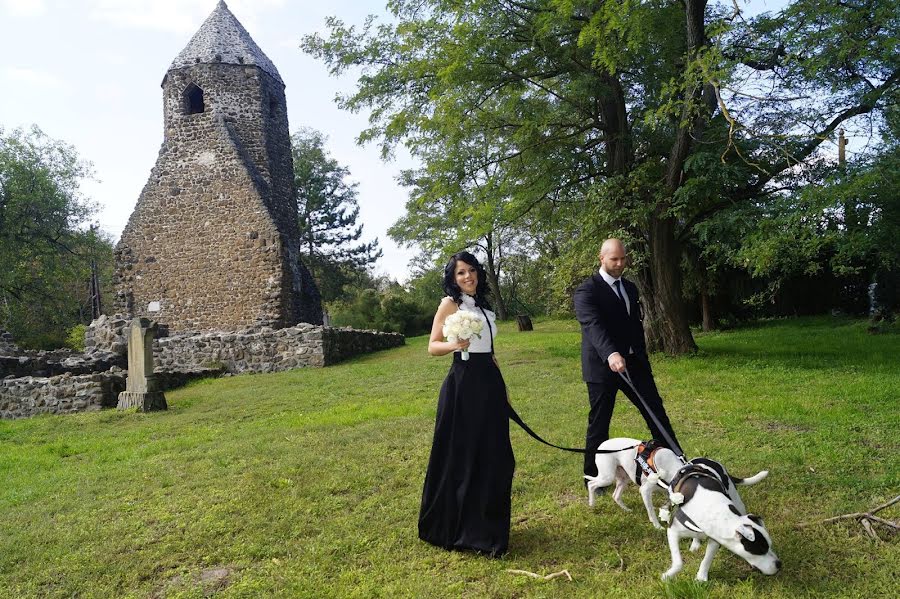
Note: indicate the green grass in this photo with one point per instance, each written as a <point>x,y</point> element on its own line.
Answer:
<point>307,483</point>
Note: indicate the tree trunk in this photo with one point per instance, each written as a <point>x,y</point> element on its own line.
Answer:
<point>668,328</point>
<point>665,315</point>
<point>709,323</point>
<point>493,278</point>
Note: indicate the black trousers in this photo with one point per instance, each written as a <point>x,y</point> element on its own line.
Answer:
<point>602,397</point>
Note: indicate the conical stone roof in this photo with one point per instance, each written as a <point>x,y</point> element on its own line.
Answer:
<point>222,39</point>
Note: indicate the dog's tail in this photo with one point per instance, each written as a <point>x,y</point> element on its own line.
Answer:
<point>752,480</point>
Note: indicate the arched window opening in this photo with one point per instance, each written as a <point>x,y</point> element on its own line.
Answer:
<point>193,99</point>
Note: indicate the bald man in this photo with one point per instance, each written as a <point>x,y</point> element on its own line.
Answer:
<point>612,339</point>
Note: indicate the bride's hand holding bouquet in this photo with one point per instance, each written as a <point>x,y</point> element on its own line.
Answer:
<point>461,326</point>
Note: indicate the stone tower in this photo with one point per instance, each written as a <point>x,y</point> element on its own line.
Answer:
<point>213,241</point>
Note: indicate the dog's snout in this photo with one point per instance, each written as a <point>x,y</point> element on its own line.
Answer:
<point>778,564</point>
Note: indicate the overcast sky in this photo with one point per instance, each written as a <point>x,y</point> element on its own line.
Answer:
<point>88,72</point>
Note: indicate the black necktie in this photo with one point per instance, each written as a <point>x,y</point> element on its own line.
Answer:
<point>618,285</point>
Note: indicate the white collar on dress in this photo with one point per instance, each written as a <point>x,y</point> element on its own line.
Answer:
<point>468,300</point>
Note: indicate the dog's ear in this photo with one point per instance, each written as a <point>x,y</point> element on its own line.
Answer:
<point>743,530</point>
<point>756,519</point>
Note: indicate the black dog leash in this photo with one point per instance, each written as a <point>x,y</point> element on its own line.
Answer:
<point>518,420</point>
<point>666,437</point>
<point>514,416</point>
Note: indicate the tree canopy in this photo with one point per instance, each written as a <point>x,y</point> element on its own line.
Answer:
<point>643,119</point>
<point>46,245</point>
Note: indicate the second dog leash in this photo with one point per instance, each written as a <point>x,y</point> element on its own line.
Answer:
<point>665,433</point>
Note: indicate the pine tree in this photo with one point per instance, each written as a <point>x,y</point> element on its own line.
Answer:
<point>327,212</point>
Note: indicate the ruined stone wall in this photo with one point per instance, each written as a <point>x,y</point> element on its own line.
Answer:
<point>28,396</point>
<point>213,242</point>
<point>23,397</point>
<point>42,363</point>
<point>256,349</point>
<point>33,386</point>
<point>340,343</point>
<point>268,350</point>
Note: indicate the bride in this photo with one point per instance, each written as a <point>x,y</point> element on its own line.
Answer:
<point>466,497</point>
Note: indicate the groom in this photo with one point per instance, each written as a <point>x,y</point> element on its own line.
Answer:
<point>612,339</point>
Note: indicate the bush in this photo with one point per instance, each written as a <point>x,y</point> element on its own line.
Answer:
<point>393,310</point>
<point>75,338</point>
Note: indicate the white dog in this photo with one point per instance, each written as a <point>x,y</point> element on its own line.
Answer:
<point>702,509</point>
<point>620,467</point>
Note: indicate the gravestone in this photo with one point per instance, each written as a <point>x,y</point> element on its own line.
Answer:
<point>141,389</point>
<point>524,322</point>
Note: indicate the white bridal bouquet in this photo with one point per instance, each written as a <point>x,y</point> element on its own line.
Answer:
<point>462,325</point>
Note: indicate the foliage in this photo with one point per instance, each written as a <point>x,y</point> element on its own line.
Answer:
<point>296,478</point>
<point>609,118</point>
<point>390,308</point>
<point>327,216</point>
<point>841,225</point>
<point>45,248</point>
<point>75,338</point>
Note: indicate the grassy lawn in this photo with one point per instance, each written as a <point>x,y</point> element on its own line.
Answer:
<point>307,483</point>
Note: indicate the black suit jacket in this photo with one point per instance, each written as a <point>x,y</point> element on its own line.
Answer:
<point>606,326</point>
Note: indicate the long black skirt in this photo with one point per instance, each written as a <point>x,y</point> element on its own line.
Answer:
<point>466,499</point>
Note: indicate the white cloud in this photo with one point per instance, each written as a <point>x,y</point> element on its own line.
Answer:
<point>32,77</point>
<point>24,8</point>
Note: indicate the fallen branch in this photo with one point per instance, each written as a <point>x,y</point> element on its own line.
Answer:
<point>866,519</point>
<point>547,577</point>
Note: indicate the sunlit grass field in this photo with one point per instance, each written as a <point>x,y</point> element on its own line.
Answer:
<point>307,483</point>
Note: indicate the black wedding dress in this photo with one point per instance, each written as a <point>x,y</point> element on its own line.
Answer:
<point>466,497</point>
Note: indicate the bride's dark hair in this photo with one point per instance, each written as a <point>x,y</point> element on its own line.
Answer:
<point>453,290</point>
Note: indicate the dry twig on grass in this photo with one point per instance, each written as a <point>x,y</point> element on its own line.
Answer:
<point>547,577</point>
<point>866,519</point>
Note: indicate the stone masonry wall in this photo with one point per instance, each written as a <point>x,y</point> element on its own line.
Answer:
<point>268,350</point>
<point>340,344</point>
<point>23,397</point>
<point>178,359</point>
<point>28,396</point>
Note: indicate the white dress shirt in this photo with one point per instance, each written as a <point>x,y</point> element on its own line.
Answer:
<point>610,280</point>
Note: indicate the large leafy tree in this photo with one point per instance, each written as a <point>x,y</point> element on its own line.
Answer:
<point>327,215</point>
<point>652,115</point>
<point>46,247</point>
<point>445,215</point>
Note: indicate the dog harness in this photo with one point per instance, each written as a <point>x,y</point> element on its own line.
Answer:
<point>689,471</point>
<point>644,459</point>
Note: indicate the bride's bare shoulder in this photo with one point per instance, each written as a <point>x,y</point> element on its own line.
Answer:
<point>447,306</point>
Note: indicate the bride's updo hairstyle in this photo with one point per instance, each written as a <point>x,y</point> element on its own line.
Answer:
<point>453,290</point>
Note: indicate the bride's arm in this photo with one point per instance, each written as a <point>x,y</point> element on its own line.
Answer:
<point>436,344</point>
